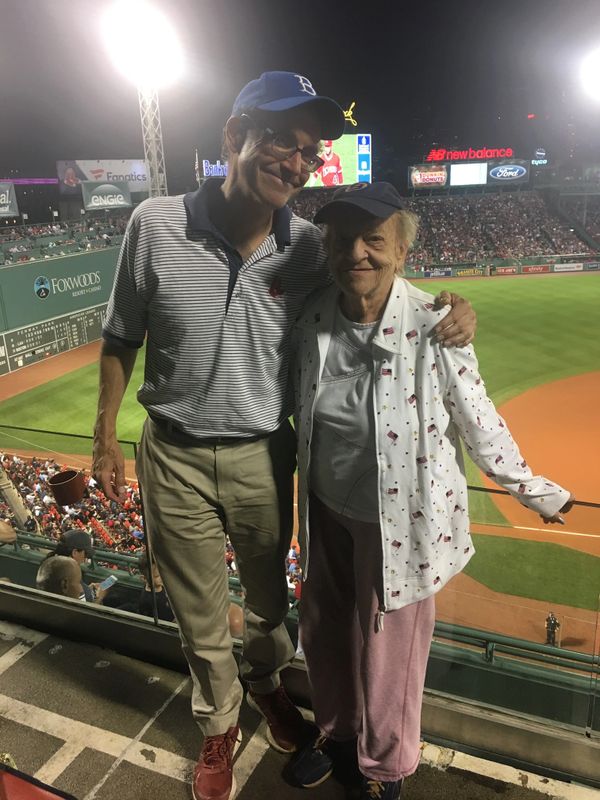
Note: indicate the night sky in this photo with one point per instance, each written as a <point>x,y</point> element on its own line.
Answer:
<point>457,73</point>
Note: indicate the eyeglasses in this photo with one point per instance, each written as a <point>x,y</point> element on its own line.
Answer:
<point>282,145</point>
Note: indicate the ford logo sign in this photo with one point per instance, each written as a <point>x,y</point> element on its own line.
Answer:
<point>508,172</point>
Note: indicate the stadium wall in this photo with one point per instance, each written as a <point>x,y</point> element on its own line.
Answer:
<point>51,306</point>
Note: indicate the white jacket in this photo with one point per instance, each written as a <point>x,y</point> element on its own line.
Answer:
<point>425,398</point>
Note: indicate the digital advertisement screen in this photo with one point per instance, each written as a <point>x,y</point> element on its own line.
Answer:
<point>347,160</point>
<point>426,176</point>
<point>468,174</point>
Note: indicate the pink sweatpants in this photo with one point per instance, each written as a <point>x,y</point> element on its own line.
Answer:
<point>365,681</point>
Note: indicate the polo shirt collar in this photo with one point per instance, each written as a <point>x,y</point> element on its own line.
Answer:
<point>197,207</point>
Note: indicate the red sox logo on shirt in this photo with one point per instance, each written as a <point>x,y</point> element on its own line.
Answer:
<point>276,288</point>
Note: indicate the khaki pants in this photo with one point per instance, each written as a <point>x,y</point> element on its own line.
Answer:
<point>192,495</point>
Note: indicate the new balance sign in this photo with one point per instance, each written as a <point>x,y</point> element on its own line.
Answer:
<point>105,195</point>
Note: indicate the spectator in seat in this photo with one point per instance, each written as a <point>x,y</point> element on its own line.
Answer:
<point>60,575</point>
<point>146,605</point>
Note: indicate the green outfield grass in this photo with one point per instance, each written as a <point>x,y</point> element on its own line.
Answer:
<point>537,570</point>
<point>532,330</point>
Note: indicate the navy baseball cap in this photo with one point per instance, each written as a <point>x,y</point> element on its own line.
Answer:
<point>280,91</point>
<point>377,199</point>
<point>76,539</point>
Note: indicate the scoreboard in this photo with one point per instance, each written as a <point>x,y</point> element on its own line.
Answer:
<point>32,343</point>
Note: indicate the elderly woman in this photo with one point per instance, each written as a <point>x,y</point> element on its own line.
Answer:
<point>381,407</point>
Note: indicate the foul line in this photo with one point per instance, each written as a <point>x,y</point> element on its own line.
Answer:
<point>559,530</point>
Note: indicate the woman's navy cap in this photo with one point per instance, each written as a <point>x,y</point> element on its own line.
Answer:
<point>377,199</point>
<point>280,91</point>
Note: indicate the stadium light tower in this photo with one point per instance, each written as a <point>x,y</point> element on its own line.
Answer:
<point>153,63</point>
<point>590,74</point>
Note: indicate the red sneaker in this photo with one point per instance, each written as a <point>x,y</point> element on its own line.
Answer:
<point>213,776</point>
<point>287,730</point>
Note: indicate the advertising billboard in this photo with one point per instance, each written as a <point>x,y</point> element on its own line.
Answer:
<point>71,174</point>
<point>509,172</point>
<point>98,195</point>
<point>468,174</point>
<point>347,160</point>
<point>426,176</point>
<point>8,200</point>
<point>469,154</point>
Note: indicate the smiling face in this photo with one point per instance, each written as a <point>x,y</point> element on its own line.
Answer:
<point>365,254</point>
<point>260,174</point>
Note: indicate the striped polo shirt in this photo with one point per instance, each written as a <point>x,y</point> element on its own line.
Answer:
<point>217,328</point>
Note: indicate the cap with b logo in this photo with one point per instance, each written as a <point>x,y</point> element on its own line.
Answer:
<point>377,199</point>
<point>281,91</point>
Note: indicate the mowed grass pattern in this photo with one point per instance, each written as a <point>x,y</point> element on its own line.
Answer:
<point>531,330</point>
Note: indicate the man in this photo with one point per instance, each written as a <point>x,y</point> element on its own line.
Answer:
<point>331,171</point>
<point>552,627</point>
<point>77,544</point>
<point>214,281</point>
<point>60,575</point>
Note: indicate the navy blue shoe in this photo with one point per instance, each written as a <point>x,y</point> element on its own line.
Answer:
<point>380,790</point>
<point>313,764</point>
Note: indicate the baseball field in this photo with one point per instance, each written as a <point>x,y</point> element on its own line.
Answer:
<point>539,353</point>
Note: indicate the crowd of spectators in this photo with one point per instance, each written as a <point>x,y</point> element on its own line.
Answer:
<point>453,229</point>
<point>34,242</point>
<point>586,212</point>
<point>309,201</point>
<point>111,526</point>
<point>477,227</point>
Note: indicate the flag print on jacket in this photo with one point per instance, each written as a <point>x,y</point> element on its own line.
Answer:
<point>433,398</point>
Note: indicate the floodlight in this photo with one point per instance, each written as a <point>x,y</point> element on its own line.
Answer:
<point>590,74</point>
<point>142,44</point>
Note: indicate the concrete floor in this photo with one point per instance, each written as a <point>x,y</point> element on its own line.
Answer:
<point>102,726</point>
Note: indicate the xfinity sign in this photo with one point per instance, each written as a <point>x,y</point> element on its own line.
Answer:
<point>105,195</point>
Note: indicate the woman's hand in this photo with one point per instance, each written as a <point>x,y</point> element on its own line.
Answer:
<point>564,510</point>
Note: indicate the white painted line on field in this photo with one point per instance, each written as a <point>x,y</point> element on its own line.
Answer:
<point>559,530</point>
<point>58,763</point>
<point>442,758</point>
<point>550,529</point>
<point>251,757</point>
<point>26,640</point>
<point>134,746</point>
